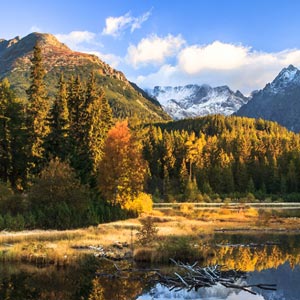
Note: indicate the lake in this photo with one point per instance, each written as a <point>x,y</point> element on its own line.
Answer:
<point>267,259</point>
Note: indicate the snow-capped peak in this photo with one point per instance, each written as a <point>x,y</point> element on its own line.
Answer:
<point>198,100</point>
<point>288,76</point>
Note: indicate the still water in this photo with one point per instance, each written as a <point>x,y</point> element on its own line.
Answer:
<point>275,262</point>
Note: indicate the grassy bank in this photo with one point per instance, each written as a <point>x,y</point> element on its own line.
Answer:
<point>177,230</point>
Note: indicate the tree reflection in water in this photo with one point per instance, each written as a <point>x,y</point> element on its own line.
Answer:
<point>80,281</point>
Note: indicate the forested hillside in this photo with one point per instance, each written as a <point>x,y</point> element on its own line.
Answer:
<point>126,99</point>
<point>230,156</point>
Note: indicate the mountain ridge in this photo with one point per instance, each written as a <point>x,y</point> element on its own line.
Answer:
<point>278,101</point>
<point>126,99</point>
<point>195,100</point>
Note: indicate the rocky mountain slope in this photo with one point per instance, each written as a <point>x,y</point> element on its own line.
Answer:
<point>198,100</point>
<point>278,101</point>
<point>125,98</point>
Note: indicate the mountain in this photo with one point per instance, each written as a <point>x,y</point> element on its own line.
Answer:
<point>278,101</point>
<point>198,100</point>
<point>125,98</point>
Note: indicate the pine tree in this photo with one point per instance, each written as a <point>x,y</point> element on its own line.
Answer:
<point>5,147</point>
<point>12,138</point>
<point>77,139</point>
<point>57,141</point>
<point>37,112</point>
<point>183,177</point>
<point>98,120</point>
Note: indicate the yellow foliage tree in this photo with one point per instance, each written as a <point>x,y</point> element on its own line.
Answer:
<point>122,170</point>
<point>141,203</point>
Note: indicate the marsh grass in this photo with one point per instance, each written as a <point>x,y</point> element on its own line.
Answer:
<point>176,235</point>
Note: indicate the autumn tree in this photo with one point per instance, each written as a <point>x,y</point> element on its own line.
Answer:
<point>122,170</point>
<point>37,112</point>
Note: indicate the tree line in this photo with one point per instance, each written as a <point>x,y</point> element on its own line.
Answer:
<point>222,156</point>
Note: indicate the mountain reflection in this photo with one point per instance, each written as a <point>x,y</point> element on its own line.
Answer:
<point>286,278</point>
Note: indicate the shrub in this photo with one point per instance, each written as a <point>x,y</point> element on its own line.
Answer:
<point>141,203</point>
<point>57,197</point>
<point>187,208</point>
<point>144,254</point>
<point>57,184</point>
<point>148,231</point>
<point>178,248</point>
<point>251,212</point>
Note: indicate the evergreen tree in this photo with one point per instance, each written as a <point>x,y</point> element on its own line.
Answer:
<point>37,112</point>
<point>57,141</point>
<point>183,177</point>
<point>98,120</point>
<point>12,138</point>
<point>5,147</point>
<point>77,139</point>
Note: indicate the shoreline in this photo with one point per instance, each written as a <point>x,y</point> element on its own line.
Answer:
<point>67,246</point>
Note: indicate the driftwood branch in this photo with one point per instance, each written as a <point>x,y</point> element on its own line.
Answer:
<point>193,277</point>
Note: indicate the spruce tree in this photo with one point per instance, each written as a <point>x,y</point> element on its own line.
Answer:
<point>76,95</point>
<point>94,122</point>
<point>5,149</point>
<point>12,138</point>
<point>57,141</point>
<point>37,112</point>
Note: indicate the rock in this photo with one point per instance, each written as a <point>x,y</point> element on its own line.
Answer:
<point>125,245</point>
<point>117,245</point>
<point>114,255</point>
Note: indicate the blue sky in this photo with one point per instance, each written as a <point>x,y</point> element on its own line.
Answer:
<point>243,44</point>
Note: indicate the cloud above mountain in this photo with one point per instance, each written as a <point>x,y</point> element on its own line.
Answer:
<point>153,50</point>
<point>171,60</point>
<point>74,38</point>
<point>114,26</point>
<point>218,63</point>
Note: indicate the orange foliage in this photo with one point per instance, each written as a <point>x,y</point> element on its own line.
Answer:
<point>122,169</point>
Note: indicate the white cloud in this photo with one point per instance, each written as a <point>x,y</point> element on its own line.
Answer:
<point>74,38</point>
<point>153,50</point>
<point>137,22</point>
<point>219,63</point>
<point>115,25</point>
<point>218,56</point>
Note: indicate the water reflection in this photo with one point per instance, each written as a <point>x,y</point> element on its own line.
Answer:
<point>219,292</point>
<point>279,264</point>
<point>286,278</point>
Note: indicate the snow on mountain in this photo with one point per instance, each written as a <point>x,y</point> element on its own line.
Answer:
<point>287,77</point>
<point>278,101</point>
<point>197,100</point>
